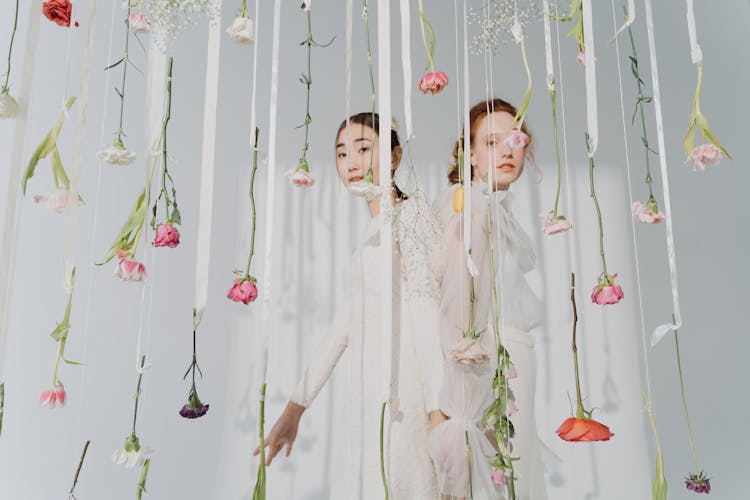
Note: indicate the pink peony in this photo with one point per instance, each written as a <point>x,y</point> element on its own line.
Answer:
<point>128,269</point>
<point>645,213</point>
<point>606,292</point>
<point>57,201</point>
<point>300,178</point>
<point>53,398</point>
<point>705,155</point>
<point>243,290</point>
<point>139,23</point>
<point>554,225</point>
<point>166,236</point>
<point>498,477</point>
<point>516,139</point>
<point>433,83</point>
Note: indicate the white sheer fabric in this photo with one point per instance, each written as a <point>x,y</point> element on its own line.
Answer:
<point>417,360</point>
<point>467,390</point>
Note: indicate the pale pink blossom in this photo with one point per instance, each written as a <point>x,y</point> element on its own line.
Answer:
<point>582,58</point>
<point>243,290</point>
<point>300,178</point>
<point>433,83</point>
<point>516,139</point>
<point>510,372</point>
<point>8,105</point>
<point>498,477</point>
<point>242,30</point>
<point>511,409</point>
<point>128,269</point>
<point>54,397</point>
<point>57,201</point>
<point>645,213</point>
<point>606,292</point>
<point>554,225</point>
<point>705,155</point>
<point>166,236</point>
<point>139,23</point>
<point>468,351</point>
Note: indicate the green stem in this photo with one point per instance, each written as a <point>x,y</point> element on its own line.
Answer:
<point>259,492</point>
<point>596,204</point>
<point>553,98</point>
<point>468,464</point>
<point>138,392</point>
<point>308,83</point>
<point>167,116</point>
<point>424,37</point>
<point>382,450</point>
<point>580,412</point>
<point>4,88</point>
<point>124,74</point>
<point>142,482</point>
<point>252,203</point>
<point>521,114</point>
<point>366,17</point>
<point>684,403</point>
<point>65,322</point>
<point>78,470</point>
<point>243,11</point>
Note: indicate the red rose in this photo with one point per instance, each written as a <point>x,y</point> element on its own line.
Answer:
<point>58,11</point>
<point>583,429</point>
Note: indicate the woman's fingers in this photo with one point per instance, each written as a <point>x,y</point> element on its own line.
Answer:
<point>257,450</point>
<point>289,448</point>
<point>274,449</point>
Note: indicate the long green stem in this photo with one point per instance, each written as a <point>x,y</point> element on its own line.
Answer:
<point>259,493</point>
<point>252,203</point>
<point>422,20</point>
<point>580,412</point>
<point>64,327</point>
<point>382,450</point>
<point>684,404</point>
<point>596,204</point>
<point>308,82</point>
<point>142,483</point>
<point>468,464</point>
<point>138,391</point>
<point>2,405</point>
<point>4,88</point>
<point>366,18</point>
<point>78,470</point>
<point>124,75</point>
<point>167,116</point>
<point>553,98</point>
<point>243,10</point>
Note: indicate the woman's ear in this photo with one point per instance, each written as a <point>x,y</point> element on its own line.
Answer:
<point>396,157</point>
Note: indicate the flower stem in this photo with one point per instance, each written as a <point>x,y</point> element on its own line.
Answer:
<point>308,82</point>
<point>553,98</point>
<point>142,483</point>
<point>684,403</point>
<point>64,327</point>
<point>468,464</point>
<point>596,204</point>
<point>427,48</point>
<point>580,412</point>
<point>78,470</point>
<point>366,18</point>
<point>4,88</point>
<point>382,450</point>
<point>243,11</point>
<point>138,391</point>
<point>259,493</point>
<point>167,116</point>
<point>124,75</point>
<point>252,203</point>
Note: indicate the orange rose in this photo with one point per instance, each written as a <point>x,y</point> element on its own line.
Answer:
<point>583,429</point>
<point>58,11</point>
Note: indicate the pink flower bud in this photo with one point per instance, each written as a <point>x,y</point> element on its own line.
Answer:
<point>705,155</point>
<point>54,397</point>
<point>243,290</point>
<point>166,236</point>
<point>128,269</point>
<point>554,225</point>
<point>498,477</point>
<point>609,294</point>
<point>433,83</point>
<point>516,139</point>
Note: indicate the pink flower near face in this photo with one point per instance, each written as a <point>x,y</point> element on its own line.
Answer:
<point>243,291</point>
<point>645,214</point>
<point>166,236</point>
<point>705,155</point>
<point>53,398</point>
<point>609,294</point>
<point>516,139</point>
<point>433,83</point>
<point>128,269</point>
<point>139,23</point>
<point>498,477</point>
<point>300,178</point>
<point>552,225</point>
<point>57,201</point>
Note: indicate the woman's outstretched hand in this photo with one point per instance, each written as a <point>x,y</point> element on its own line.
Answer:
<point>283,432</point>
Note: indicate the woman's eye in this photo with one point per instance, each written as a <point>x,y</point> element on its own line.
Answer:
<point>341,155</point>
<point>491,142</point>
<point>363,150</point>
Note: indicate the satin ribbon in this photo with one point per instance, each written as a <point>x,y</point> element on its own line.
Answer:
<point>548,47</point>
<point>406,66</point>
<point>695,50</point>
<point>207,171</point>
<point>348,75</point>
<point>473,270</point>
<point>631,18</point>
<point>590,61</point>
<point>253,115</point>
<point>662,330</point>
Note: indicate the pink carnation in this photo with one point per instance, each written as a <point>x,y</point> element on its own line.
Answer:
<point>57,201</point>
<point>139,23</point>
<point>554,225</point>
<point>705,155</point>
<point>243,290</point>
<point>498,477</point>
<point>516,139</point>
<point>300,178</point>
<point>128,269</point>
<point>54,397</point>
<point>166,236</point>
<point>433,83</point>
<point>645,214</point>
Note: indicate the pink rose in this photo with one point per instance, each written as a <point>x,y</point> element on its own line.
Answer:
<point>139,23</point>
<point>58,11</point>
<point>166,236</point>
<point>468,351</point>
<point>645,213</point>
<point>128,269</point>
<point>705,155</point>
<point>300,178</point>
<point>498,477</point>
<point>516,139</point>
<point>57,201</point>
<point>54,397</point>
<point>554,225</point>
<point>433,83</point>
<point>243,290</point>
<point>606,292</point>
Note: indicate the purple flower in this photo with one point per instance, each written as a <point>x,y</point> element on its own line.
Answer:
<point>698,483</point>
<point>188,412</point>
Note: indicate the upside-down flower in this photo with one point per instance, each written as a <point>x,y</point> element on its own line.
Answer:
<point>469,351</point>
<point>698,482</point>
<point>54,397</point>
<point>132,454</point>
<point>300,176</point>
<point>705,155</point>
<point>242,30</point>
<point>128,269</point>
<point>606,292</point>
<point>57,201</point>
<point>139,23</point>
<point>552,224</point>
<point>516,139</point>
<point>433,82</point>
<point>58,11</point>
<point>116,154</point>
<point>647,213</point>
<point>243,290</point>
<point>166,236</point>
<point>8,105</point>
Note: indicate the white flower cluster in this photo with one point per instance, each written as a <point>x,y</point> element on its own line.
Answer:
<point>496,20</point>
<point>170,17</point>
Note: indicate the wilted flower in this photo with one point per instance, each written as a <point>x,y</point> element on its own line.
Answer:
<point>116,154</point>
<point>433,83</point>
<point>583,429</point>
<point>54,397</point>
<point>552,224</point>
<point>516,139</point>
<point>139,23</point>
<point>698,483</point>
<point>128,269</point>
<point>132,454</point>
<point>166,236</point>
<point>57,201</point>
<point>705,155</point>
<point>242,30</point>
<point>243,290</point>
<point>8,105</point>
<point>58,11</point>
<point>468,351</point>
<point>498,477</point>
<point>300,177</point>
<point>194,408</point>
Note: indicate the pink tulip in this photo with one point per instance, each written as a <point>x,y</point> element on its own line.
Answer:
<point>243,290</point>
<point>554,225</point>
<point>139,23</point>
<point>433,83</point>
<point>53,398</point>
<point>645,213</point>
<point>498,477</point>
<point>128,269</point>
<point>609,294</point>
<point>705,155</point>
<point>516,139</point>
<point>166,236</point>
<point>300,178</point>
<point>57,201</point>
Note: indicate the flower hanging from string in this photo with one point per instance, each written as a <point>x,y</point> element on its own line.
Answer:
<point>433,81</point>
<point>59,197</point>
<point>133,453</point>
<point>138,22</point>
<point>8,105</point>
<point>242,29</point>
<point>698,482</point>
<point>59,12</point>
<point>194,407</point>
<point>606,291</point>
<point>126,242</point>
<point>575,14</point>
<point>582,427</point>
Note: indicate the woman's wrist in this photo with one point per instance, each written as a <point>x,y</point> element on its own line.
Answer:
<point>294,410</point>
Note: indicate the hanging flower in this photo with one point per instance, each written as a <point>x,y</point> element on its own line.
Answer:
<point>552,224</point>
<point>469,351</point>
<point>575,12</point>
<point>698,482</point>
<point>8,105</point>
<point>194,408</point>
<point>166,235</point>
<point>54,397</point>
<point>128,269</point>
<point>243,290</point>
<point>705,155</point>
<point>57,201</point>
<point>242,30</point>
<point>58,11</point>
<point>710,151</point>
<point>648,213</point>
<point>139,22</point>
<point>606,292</point>
<point>132,454</point>
<point>433,82</point>
<point>581,59</point>
<point>498,477</point>
<point>516,139</point>
<point>170,17</point>
<point>116,154</point>
<point>300,176</point>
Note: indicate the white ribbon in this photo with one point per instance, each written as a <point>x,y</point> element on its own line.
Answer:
<point>662,330</point>
<point>629,21</point>
<point>14,178</point>
<point>590,60</point>
<point>473,270</point>
<point>386,236</point>
<point>348,75</point>
<point>207,172</point>
<point>253,119</point>
<point>695,50</point>
<point>548,47</point>
<point>406,65</point>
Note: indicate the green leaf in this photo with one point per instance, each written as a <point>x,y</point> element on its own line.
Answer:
<point>60,332</point>
<point>58,171</point>
<point>703,123</point>
<point>76,363</point>
<point>115,64</point>
<point>135,221</point>
<point>689,142</point>
<point>176,218</point>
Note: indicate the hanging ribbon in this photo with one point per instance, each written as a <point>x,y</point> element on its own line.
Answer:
<point>548,47</point>
<point>473,270</point>
<point>406,66</point>
<point>695,50</point>
<point>662,330</point>
<point>590,61</point>
<point>253,113</point>
<point>629,20</point>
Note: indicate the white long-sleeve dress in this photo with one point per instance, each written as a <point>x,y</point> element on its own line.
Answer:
<point>467,390</point>
<point>417,361</point>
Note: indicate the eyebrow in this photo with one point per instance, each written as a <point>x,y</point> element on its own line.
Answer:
<point>341,144</point>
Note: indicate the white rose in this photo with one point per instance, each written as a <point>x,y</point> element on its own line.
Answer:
<point>242,30</point>
<point>469,351</point>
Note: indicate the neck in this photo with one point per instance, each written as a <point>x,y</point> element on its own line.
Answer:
<point>496,187</point>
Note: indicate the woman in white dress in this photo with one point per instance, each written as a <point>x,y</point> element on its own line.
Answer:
<point>471,460</point>
<point>416,354</point>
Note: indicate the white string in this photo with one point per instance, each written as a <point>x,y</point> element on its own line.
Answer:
<point>630,198</point>
<point>347,212</point>
<point>629,21</point>
<point>253,116</point>
<point>590,62</point>
<point>73,12</point>
<point>459,271</point>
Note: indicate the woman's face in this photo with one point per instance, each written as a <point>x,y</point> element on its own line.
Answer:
<point>488,151</point>
<point>363,149</point>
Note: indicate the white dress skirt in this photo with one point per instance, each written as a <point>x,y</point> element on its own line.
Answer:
<point>417,362</point>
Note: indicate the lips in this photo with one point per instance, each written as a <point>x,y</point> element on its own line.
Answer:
<point>506,165</point>
<point>355,178</point>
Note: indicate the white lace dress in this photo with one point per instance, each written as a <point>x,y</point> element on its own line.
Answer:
<point>417,361</point>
